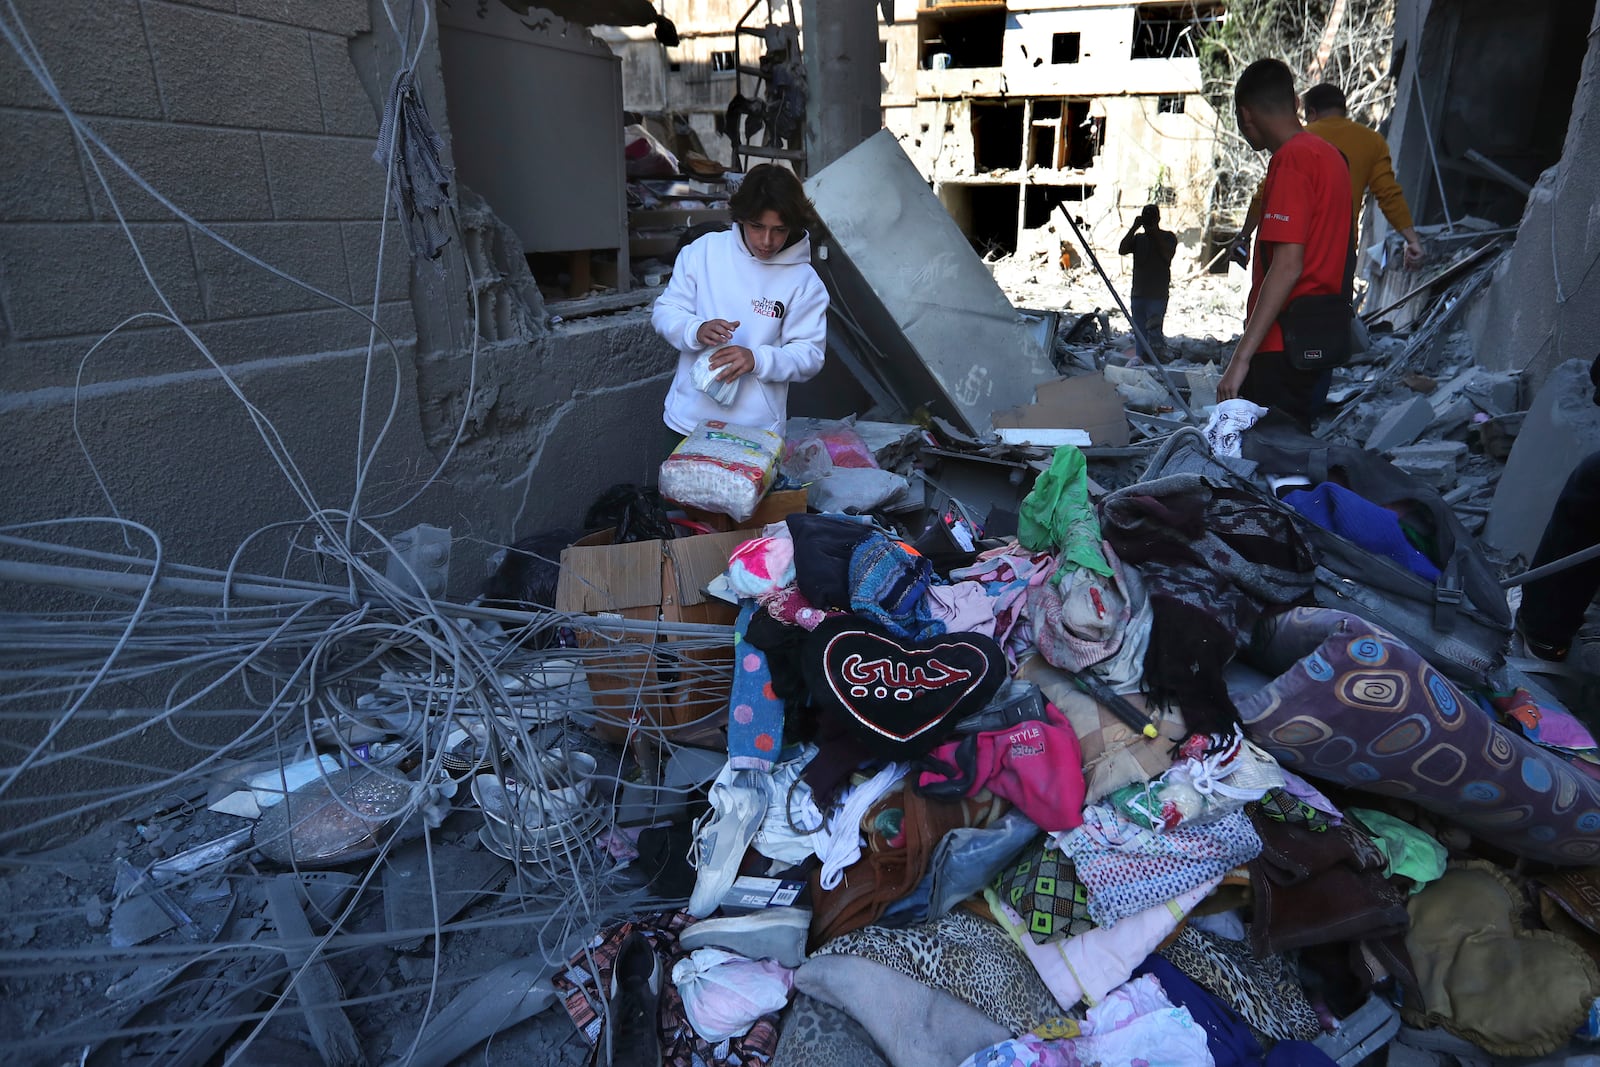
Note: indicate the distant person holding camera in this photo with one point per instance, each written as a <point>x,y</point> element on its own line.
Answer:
<point>1152,251</point>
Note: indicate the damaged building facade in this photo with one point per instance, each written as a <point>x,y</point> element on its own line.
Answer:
<point>468,407</point>
<point>1013,108</point>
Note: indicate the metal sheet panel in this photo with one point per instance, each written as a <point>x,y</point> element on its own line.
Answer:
<point>947,334</point>
<point>536,125</point>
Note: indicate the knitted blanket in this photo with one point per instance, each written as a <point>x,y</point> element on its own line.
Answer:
<point>1213,558</point>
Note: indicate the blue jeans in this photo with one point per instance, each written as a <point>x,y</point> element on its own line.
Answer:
<point>1150,312</point>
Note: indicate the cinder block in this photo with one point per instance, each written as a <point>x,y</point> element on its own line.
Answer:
<point>148,351</point>
<point>1495,393</point>
<point>1454,452</point>
<point>214,175</point>
<point>96,54</point>
<point>227,71</point>
<point>70,280</point>
<point>310,251</point>
<point>347,17</point>
<point>1562,427</point>
<point>346,107</point>
<point>1401,424</point>
<point>1452,416</point>
<point>320,177</point>
<point>1434,471</point>
<point>361,257</point>
<point>40,175</point>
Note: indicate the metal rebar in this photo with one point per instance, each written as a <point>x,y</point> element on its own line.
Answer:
<point>1433,155</point>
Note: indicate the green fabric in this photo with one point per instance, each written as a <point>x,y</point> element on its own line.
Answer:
<point>1411,853</point>
<point>1044,889</point>
<point>1057,515</point>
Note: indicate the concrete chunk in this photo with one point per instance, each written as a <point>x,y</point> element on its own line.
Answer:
<point>89,50</point>
<point>1401,424</point>
<point>319,177</point>
<point>1453,451</point>
<point>234,287</point>
<point>1495,393</point>
<point>1432,471</point>
<point>1563,426</point>
<point>83,279</point>
<point>39,144</point>
<point>1453,415</point>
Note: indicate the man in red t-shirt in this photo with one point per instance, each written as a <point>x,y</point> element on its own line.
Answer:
<point>1302,247</point>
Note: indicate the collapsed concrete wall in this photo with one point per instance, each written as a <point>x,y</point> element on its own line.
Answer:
<point>1502,80</point>
<point>1543,307</point>
<point>260,120</point>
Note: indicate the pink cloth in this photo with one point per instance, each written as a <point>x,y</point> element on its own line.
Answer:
<point>1007,573</point>
<point>789,605</point>
<point>964,608</point>
<point>761,566</point>
<point>1091,965</point>
<point>1038,766</point>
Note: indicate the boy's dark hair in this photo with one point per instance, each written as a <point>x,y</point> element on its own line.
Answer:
<point>771,188</point>
<point>1266,85</point>
<point>1324,97</point>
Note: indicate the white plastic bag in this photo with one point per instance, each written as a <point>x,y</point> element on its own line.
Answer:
<point>705,380</point>
<point>722,468</point>
<point>723,994</point>
<point>855,490</point>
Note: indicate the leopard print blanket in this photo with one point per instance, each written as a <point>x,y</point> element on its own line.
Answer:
<point>965,956</point>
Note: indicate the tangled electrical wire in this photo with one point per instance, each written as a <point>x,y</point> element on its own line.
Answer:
<point>396,698</point>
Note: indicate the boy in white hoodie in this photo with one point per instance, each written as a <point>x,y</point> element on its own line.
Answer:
<point>749,295</point>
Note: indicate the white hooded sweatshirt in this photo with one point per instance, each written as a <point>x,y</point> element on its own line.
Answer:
<point>782,312</point>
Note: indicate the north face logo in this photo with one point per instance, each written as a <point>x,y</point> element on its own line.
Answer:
<point>772,309</point>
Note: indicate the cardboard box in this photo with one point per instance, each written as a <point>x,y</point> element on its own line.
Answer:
<point>774,507</point>
<point>1087,402</point>
<point>647,580</point>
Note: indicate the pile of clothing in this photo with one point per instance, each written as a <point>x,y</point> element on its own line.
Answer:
<point>1110,791</point>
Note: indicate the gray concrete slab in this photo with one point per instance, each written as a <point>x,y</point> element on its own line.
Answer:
<point>1401,424</point>
<point>914,282</point>
<point>1562,426</point>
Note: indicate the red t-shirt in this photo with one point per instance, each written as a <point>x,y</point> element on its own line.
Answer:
<point>1305,200</point>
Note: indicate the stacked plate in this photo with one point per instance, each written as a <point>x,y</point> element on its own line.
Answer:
<point>535,821</point>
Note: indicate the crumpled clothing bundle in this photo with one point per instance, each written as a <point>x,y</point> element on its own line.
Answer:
<point>1007,573</point>
<point>1129,868</point>
<point>1228,423</point>
<point>1137,1026</point>
<point>1213,557</point>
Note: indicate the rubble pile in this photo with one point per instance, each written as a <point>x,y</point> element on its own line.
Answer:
<point>940,747</point>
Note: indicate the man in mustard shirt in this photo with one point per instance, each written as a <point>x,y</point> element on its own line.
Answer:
<point>1368,155</point>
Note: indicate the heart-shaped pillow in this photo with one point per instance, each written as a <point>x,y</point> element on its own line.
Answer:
<point>901,697</point>
<point>1509,990</point>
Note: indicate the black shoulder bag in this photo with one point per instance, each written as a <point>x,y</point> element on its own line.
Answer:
<point>1316,328</point>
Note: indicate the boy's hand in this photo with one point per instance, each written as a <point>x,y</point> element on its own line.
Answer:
<point>716,331</point>
<point>733,363</point>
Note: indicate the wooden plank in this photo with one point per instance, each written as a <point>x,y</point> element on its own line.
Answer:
<point>315,985</point>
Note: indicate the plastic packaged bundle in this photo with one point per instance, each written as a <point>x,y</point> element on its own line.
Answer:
<point>722,468</point>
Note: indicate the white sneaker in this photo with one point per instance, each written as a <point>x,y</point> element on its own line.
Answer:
<point>765,934</point>
<point>721,836</point>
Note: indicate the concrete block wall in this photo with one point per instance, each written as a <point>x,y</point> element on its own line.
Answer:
<point>259,118</point>
<point>252,116</point>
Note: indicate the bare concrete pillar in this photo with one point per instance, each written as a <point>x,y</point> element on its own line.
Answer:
<point>843,83</point>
